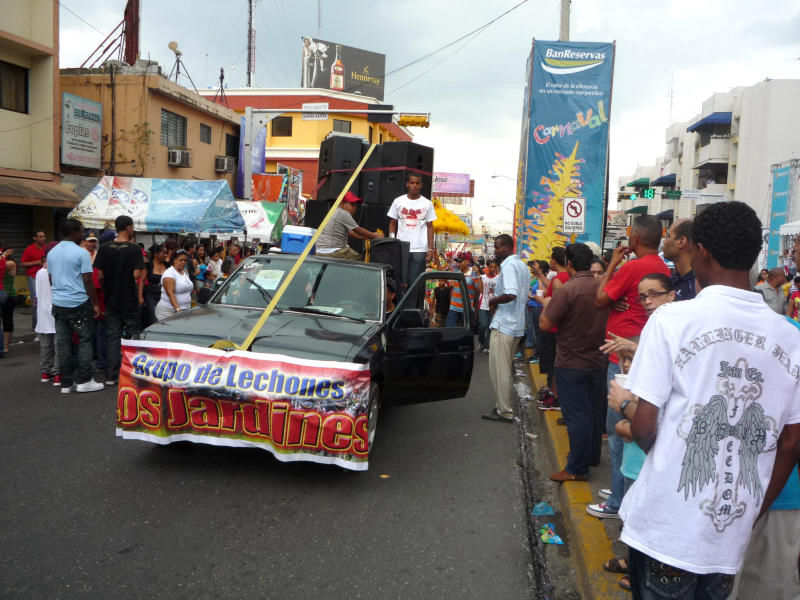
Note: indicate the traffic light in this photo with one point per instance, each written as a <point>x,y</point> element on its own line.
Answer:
<point>634,196</point>
<point>413,120</point>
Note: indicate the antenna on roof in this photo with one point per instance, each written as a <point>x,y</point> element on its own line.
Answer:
<point>221,90</point>
<point>176,68</point>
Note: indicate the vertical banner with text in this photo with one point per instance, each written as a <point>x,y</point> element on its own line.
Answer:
<point>777,214</point>
<point>564,147</point>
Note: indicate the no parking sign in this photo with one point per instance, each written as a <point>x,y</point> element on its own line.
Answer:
<point>574,215</point>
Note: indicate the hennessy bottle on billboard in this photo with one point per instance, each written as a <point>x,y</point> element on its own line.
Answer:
<point>337,71</point>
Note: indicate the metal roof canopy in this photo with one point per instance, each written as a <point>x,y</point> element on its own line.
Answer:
<point>715,118</point>
<point>641,182</point>
<point>665,180</point>
<point>637,210</point>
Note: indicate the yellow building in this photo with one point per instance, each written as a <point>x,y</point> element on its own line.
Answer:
<point>30,186</point>
<point>153,127</point>
<point>294,141</point>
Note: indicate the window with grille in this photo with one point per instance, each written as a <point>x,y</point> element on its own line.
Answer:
<point>173,130</point>
<point>205,133</point>
<point>13,87</point>
<point>341,125</point>
<point>231,145</point>
<point>282,127</point>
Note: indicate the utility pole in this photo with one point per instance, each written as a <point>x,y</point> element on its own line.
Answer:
<point>251,45</point>
<point>563,34</point>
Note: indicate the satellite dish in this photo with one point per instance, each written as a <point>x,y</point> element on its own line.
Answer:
<point>173,46</point>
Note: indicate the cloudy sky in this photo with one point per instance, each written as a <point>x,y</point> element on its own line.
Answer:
<point>474,89</point>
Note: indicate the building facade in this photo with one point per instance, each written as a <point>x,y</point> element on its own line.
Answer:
<point>153,127</point>
<point>293,140</point>
<point>726,152</point>
<point>31,188</point>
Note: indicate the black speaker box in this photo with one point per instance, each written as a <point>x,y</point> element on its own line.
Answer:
<point>316,211</point>
<point>410,156</point>
<point>337,153</point>
<point>369,181</point>
<point>391,251</point>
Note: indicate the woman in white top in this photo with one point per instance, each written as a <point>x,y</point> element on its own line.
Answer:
<point>176,288</point>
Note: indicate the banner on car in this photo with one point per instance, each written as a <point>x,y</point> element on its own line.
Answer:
<point>564,145</point>
<point>333,66</point>
<point>299,410</point>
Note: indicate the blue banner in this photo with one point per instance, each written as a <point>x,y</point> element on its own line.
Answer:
<point>777,214</point>
<point>564,146</point>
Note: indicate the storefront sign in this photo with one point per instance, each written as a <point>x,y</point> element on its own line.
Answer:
<point>299,410</point>
<point>333,66</point>
<point>81,132</point>
<point>450,183</point>
<point>564,145</point>
<point>309,114</point>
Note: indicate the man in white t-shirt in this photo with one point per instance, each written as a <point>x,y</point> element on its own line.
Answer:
<point>489,282</point>
<point>719,416</point>
<point>411,220</point>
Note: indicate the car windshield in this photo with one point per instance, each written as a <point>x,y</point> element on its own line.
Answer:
<point>339,289</point>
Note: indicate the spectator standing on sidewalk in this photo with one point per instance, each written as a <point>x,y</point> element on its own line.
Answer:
<point>718,381</point>
<point>7,311</point>
<point>455,317</point>
<point>45,324</point>
<point>74,308</point>
<point>548,397</point>
<point>489,283</point>
<point>508,324</point>
<point>120,267</point>
<point>580,365</point>
<point>676,249</point>
<point>772,292</point>
<point>619,291</point>
<point>411,220</point>
<point>441,303</point>
<point>32,260</point>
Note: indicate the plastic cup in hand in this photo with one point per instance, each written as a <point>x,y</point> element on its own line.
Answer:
<point>620,379</point>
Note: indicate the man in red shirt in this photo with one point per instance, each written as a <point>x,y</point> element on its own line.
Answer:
<point>620,291</point>
<point>32,260</point>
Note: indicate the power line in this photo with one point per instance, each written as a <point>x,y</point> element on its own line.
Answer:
<point>68,9</point>
<point>31,124</point>
<point>482,27</point>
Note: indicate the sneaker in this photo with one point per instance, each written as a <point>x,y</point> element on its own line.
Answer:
<point>542,393</point>
<point>45,377</point>
<point>88,386</point>
<point>111,382</point>
<point>36,339</point>
<point>533,360</point>
<point>605,493</point>
<point>56,380</point>
<point>67,389</point>
<point>485,351</point>
<point>601,511</point>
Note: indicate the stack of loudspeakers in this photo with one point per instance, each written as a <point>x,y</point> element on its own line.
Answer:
<point>378,188</point>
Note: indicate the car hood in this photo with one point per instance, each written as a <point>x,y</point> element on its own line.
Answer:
<point>293,334</point>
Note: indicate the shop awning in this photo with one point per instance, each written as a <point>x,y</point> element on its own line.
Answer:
<point>641,182</point>
<point>716,118</point>
<point>665,180</point>
<point>637,210</point>
<point>792,228</point>
<point>15,190</point>
<point>666,214</point>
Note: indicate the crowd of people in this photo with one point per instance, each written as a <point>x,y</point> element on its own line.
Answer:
<point>91,290</point>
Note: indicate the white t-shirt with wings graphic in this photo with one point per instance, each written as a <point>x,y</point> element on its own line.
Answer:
<point>724,370</point>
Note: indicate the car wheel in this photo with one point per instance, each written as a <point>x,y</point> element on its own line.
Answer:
<point>373,409</point>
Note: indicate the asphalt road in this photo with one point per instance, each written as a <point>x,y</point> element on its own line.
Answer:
<point>86,514</point>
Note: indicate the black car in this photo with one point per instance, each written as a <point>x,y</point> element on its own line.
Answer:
<point>336,310</point>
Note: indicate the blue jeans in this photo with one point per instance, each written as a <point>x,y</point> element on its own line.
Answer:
<point>615,446</point>
<point>581,393</point>
<point>416,265</point>
<point>80,321</point>
<point>100,344</point>
<point>32,290</point>
<point>120,324</point>
<point>654,580</point>
<point>532,326</point>
<point>455,318</point>
<point>484,320</point>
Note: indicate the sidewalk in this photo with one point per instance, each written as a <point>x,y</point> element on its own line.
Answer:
<point>589,538</point>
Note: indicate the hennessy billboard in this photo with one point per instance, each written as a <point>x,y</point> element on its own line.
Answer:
<point>333,66</point>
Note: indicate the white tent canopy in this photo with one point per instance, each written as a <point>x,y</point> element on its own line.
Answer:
<point>792,228</point>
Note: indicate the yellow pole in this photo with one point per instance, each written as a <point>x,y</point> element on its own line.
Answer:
<point>248,341</point>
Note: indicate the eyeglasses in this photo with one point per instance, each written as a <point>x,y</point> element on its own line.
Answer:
<point>179,252</point>
<point>652,295</point>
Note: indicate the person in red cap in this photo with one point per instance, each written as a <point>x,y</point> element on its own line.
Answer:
<point>333,239</point>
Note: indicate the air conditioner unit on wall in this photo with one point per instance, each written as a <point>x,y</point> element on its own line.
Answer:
<point>179,158</point>
<point>223,164</point>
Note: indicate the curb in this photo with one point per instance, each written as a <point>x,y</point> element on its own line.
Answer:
<point>589,543</point>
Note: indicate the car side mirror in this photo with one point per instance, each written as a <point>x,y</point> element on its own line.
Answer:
<point>410,318</point>
<point>204,295</point>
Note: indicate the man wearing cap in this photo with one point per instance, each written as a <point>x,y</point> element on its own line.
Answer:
<point>333,239</point>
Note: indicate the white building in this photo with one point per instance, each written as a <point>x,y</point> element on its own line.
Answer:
<point>725,152</point>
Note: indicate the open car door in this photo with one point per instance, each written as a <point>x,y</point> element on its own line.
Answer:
<point>426,363</point>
